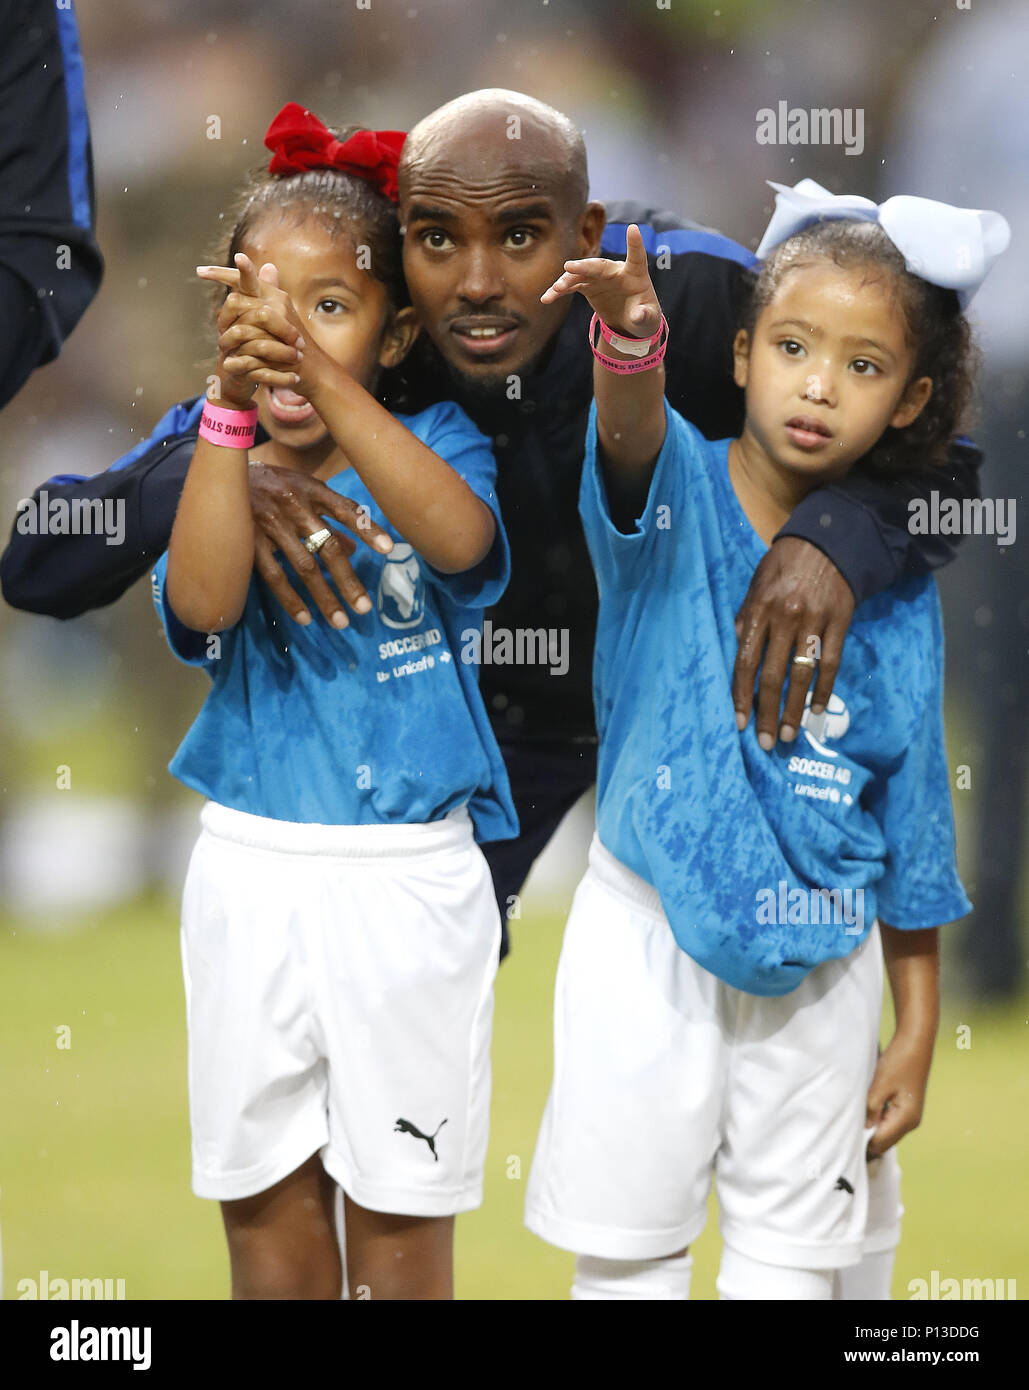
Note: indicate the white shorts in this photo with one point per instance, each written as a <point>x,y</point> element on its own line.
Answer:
<point>339,996</point>
<point>663,1076</point>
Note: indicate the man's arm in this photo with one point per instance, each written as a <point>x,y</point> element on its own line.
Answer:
<point>51,266</point>
<point>23,340</point>
<point>840,546</point>
<point>78,543</point>
<point>864,523</point>
<point>120,522</point>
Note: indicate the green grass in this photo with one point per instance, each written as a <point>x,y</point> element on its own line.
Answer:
<point>94,1151</point>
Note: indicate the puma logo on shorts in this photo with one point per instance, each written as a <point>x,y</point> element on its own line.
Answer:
<point>406,1127</point>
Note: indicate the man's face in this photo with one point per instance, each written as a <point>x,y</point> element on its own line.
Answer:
<point>484,237</point>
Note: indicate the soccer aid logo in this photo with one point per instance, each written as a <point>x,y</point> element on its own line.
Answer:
<point>401,597</point>
<point>833,722</point>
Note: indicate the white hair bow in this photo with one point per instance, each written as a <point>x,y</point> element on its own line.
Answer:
<point>948,246</point>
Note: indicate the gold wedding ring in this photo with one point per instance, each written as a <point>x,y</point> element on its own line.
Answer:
<point>316,540</point>
<point>804,661</point>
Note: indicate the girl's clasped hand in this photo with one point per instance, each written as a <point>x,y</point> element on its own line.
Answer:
<point>260,338</point>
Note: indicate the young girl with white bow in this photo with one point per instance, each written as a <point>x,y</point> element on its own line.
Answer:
<point>719,990</point>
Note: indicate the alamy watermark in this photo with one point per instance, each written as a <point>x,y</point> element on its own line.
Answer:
<point>971,516</point>
<point>786,125</point>
<point>85,1343</point>
<point>46,1287</point>
<point>785,906</point>
<point>44,515</point>
<point>520,646</point>
<point>935,1287</point>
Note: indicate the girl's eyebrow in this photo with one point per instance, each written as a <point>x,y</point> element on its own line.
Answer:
<point>851,341</point>
<point>870,342</point>
<point>322,282</point>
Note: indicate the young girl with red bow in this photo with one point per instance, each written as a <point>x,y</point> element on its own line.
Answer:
<point>340,933</point>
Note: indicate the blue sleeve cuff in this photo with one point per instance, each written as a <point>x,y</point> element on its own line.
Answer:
<point>483,585</point>
<point>919,916</point>
<point>189,646</point>
<point>618,554</point>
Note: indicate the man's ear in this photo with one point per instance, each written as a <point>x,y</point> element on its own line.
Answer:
<point>741,357</point>
<point>591,229</point>
<point>399,337</point>
<point>912,403</point>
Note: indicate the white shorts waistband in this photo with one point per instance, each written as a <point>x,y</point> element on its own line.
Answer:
<point>613,874</point>
<point>352,842</point>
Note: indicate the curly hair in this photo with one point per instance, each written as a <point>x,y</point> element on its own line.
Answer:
<point>935,328</point>
<point>347,206</point>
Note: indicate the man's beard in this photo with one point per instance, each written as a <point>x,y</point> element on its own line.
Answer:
<point>479,386</point>
<point>427,369</point>
<point>490,387</point>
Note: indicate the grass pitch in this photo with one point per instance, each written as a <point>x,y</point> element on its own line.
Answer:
<point>94,1135</point>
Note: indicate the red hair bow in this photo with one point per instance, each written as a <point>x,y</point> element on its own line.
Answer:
<point>299,142</point>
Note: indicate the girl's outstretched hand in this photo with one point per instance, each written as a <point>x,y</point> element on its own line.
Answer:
<point>621,292</point>
<point>260,341</point>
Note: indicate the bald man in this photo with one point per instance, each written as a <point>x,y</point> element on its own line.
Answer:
<point>493,200</point>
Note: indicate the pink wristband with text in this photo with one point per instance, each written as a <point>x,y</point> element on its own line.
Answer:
<point>644,363</point>
<point>634,347</point>
<point>232,429</point>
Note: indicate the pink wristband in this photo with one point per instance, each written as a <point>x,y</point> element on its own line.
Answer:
<point>635,347</point>
<point>232,429</point>
<point>611,363</point>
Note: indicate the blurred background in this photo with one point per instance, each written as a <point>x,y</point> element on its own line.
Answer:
<point>94,1144</point>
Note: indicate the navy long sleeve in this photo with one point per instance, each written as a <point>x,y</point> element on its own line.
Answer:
<point>50,265</point>
<point>861,523</point>
<point>63,575</point>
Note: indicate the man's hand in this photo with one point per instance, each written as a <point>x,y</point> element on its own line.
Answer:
<point>798,604</point>
<point>288,506</point>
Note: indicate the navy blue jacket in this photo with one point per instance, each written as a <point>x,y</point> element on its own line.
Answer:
<point>50,265</point>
